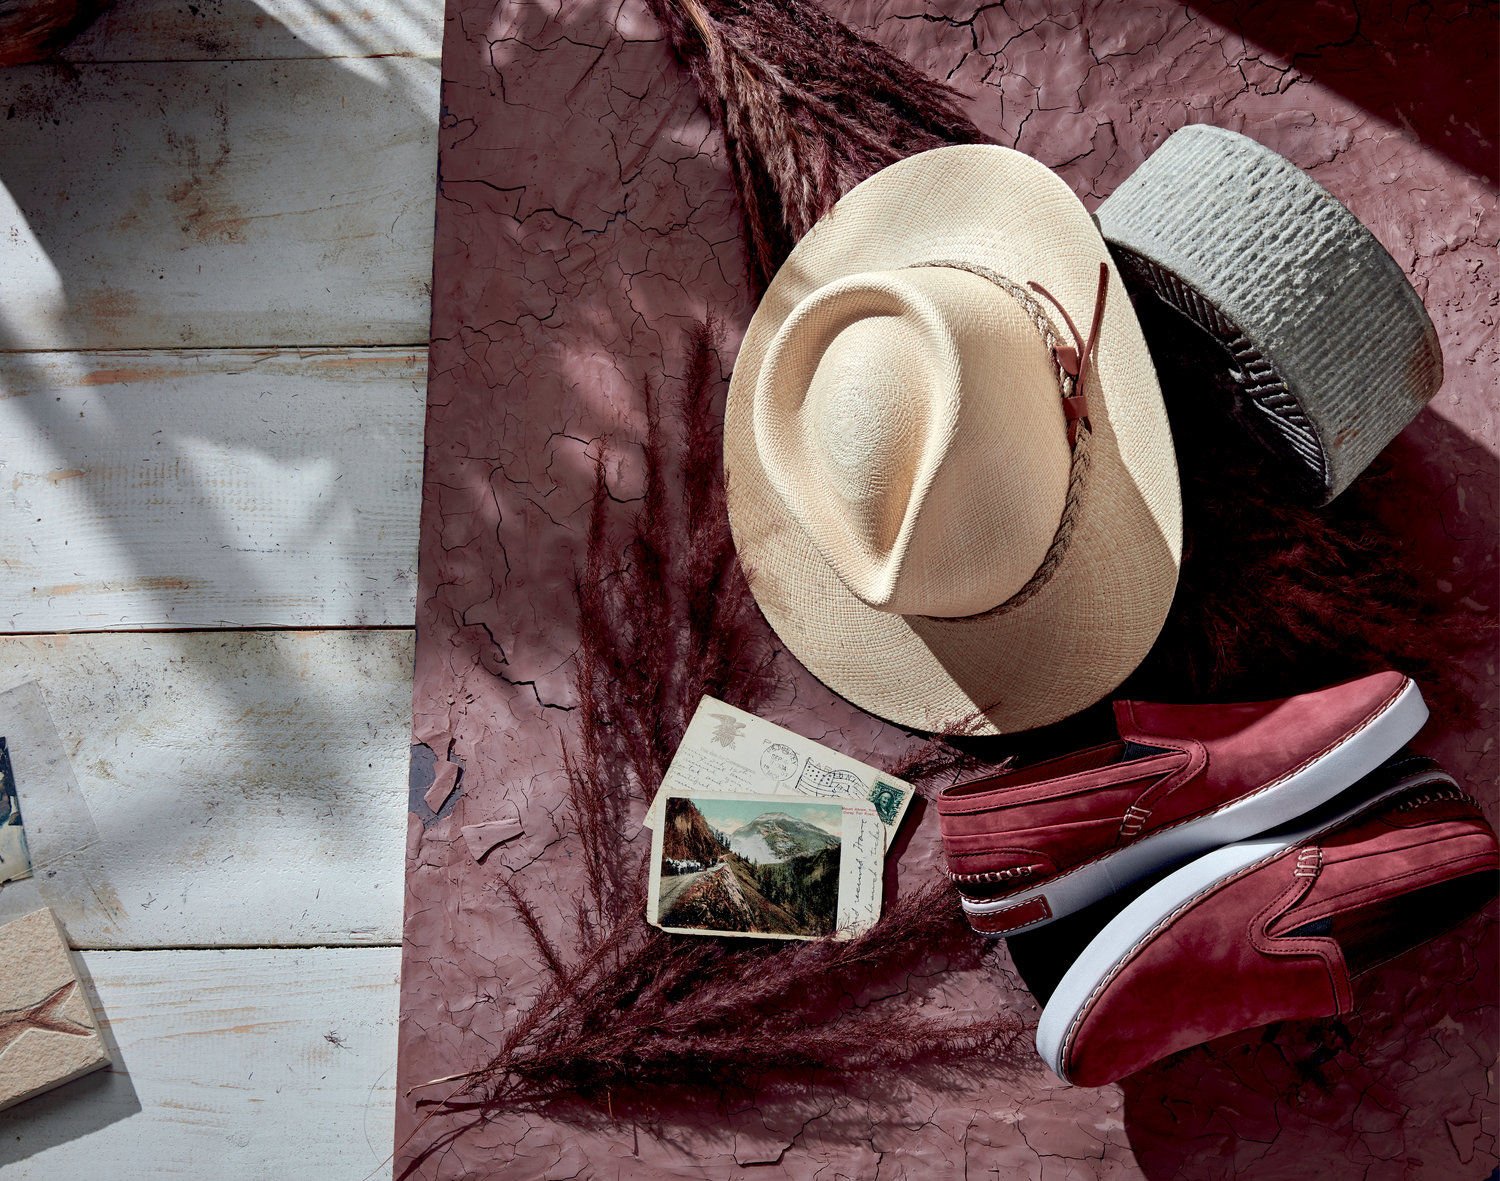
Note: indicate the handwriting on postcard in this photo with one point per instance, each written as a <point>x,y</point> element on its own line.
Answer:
<point>727,750</point>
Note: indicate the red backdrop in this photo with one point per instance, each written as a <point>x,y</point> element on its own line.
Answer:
<point>585,220</point>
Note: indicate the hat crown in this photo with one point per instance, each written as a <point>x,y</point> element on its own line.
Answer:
<point>860,407</point>
<point>911,422</point>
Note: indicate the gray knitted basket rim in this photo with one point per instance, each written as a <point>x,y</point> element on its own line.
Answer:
<point>1328,345</point>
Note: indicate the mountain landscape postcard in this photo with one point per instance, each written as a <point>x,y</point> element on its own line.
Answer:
<point>746,865</point>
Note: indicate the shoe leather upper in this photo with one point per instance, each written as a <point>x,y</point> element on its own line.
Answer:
<point>1241,956</point>
<point>1173,763</point>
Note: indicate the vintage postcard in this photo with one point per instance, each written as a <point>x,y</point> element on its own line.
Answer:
<point>769,867</point>
<point>728,751</point>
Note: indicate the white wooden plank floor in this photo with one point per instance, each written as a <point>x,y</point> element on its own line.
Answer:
<point>204,487</point>
<point>217,204</point>
<point>215,232</point>
<point>248,787</point>
<point>243,1064</point>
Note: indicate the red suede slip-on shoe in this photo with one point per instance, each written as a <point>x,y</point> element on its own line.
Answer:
<point>1275,928</point>
<point>1031,845</point>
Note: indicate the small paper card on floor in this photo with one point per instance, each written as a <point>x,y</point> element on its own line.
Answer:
<point>728,751</point>
<point>15,861</point>
<point>765,867</point>
<point>47,1031</point>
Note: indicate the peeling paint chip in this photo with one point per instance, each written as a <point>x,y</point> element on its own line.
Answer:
<point>444,780</point>
<point>481,838</point>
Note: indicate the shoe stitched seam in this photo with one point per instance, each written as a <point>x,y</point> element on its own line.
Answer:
<point>1047,909</point>
<point>1386,881</point>
<point>1004,841</point>
<point>1325,950</point>
<point>1411,840</point>
<point>1072,790</point>
<point>1385,705</point>
<point>1010,873</point>
<point>1030,852</point>
<point>959,791</point>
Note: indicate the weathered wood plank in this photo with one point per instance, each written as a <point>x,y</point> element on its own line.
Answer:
<point>217,204</point>
<point>209,488</point>
<point>236,1065</point>
<point>242,30</point>
<point>249,788</point>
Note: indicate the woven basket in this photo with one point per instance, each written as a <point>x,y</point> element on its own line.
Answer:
<point>1329,347</point>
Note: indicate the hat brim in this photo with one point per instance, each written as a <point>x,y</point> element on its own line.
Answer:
<point>1095,619</point>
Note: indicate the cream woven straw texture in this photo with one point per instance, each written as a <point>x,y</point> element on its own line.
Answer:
<point>898,462</point>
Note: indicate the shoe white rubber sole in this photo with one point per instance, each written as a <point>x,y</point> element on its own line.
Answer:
<point>1134,926</point>
<point>1304,789</point>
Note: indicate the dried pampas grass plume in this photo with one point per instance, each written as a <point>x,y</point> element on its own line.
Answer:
<point>808,109</point>
<point>665,617</point>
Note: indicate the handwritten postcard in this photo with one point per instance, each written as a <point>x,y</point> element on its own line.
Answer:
<point>730,752</point>
<point>767,867</point>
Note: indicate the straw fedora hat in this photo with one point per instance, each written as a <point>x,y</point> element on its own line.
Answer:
<point>950,476</point>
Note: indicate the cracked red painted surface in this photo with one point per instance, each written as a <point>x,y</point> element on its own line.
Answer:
<point>585,219</point>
